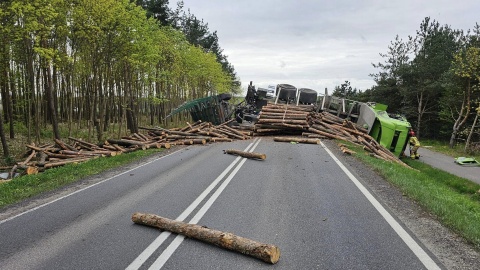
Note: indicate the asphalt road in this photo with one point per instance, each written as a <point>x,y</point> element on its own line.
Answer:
<point>446,163</point>
<point>301,198</point>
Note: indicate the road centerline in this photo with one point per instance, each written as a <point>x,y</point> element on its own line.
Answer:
<point>140,260</point>
<point>168,252</point>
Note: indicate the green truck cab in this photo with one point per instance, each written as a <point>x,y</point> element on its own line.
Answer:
<point>390,130</point>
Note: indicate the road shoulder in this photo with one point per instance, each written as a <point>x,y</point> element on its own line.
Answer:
<point>449,248</point>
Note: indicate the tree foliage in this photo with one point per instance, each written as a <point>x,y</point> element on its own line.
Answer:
<point>104,65</point>
<point>431,78</point>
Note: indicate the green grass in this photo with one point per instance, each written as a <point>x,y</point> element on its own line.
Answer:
<point>454,200</point>
<point>28,186</point>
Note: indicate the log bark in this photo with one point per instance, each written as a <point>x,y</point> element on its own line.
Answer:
<point>127,143</point>
<point>265,252</point>
<point>298,140</point>
<point>286,121</point>
<point>251,155</point>
<point>68,161</point>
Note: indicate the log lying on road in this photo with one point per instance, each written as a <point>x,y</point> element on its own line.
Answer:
<point>244,154</point>
<point>298,140</point>
<point>265,252</point>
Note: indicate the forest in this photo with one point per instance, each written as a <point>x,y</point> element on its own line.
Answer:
<point>102,66</point>
<point>94,69</point>
<point>433,80</point>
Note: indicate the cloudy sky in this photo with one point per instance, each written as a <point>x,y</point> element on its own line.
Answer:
<point>319,44</point>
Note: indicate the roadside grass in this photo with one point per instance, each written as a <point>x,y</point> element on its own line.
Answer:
<point>28,186</point>
<point>453,200</point>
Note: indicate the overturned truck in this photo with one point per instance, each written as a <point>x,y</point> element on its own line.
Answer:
<point>390,130</point>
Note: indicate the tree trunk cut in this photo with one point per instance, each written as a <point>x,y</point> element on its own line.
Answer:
<point>298,140</point>
<point>251,155</point>
<point>265,252</point>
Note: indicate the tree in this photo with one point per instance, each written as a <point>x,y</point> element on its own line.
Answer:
<point>457,103</point>
<point>474,125</point>
<point>158,9</point>
<point>390,86</point>
<point>345,90</point>
<point>435,46</point>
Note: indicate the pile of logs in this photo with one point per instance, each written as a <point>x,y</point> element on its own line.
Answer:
<point>199,133</point>
<point>283,119</point>
<point>331,126</point>
<point>303,120</point>
<point>59,153</point>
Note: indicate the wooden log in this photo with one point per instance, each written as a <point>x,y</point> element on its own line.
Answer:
<point>226,122</point>
<point>215,139</point>
<point>40,149</point>
<point>281,116</point>
<point>301,108</point>
<point>211,133</point>
<point>234,131</point>
<point>139,137</point>
<point>251,155</point>
<point>64,162</point>
<point>298,140</point>
<point>199,141</point>
<point>199,127</point>
<point>64,146</point>
<point>265,252</point>
<point>165,145</point>
<point>290,126</point>
<point>124,142</point>
<point>28,158</point>
<point>268,130</point>
<point>326,134</point>
<point>31,170</point>
<point>283,111</point>
<point>229,133</point>
<point>80,153</point>
<point>84,143</point>
<point>286,121</point>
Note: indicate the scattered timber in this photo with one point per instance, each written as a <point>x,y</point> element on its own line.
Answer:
<point>300,124</point>
<point>265,252</point>
<point>251,155</point>
<point>40,158</point>
<point>297,140</point>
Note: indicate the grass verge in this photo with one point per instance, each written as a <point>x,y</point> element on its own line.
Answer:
<point>454,200</point>
<point>28,186</point>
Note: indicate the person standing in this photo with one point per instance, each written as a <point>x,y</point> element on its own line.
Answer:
<point>414,145</point>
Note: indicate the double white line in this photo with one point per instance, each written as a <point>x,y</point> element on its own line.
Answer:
<point>162,259</point>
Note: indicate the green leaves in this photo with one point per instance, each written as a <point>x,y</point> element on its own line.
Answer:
<point>466,63</point>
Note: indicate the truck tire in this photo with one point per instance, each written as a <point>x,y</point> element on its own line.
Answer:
<point>307,96</point>
<point>286,92</point>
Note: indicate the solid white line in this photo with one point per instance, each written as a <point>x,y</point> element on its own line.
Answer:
<point>168,252</point>
<point>138,262</point>
<point>427,261</point>
<point>83,189</point>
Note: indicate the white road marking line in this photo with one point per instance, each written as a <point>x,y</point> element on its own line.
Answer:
<point>427,261</point>
<point>162,259</point>
<point>138,262</point>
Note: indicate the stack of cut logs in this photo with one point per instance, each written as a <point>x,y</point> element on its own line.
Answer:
<point>304,121</point>
<point>61,153</point>
<point>283,119</point>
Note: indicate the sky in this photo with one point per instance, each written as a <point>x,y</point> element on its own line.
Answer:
<point>319,44</point>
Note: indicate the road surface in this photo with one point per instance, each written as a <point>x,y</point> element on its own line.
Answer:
<point>446,163</point>
<point>301,198</point>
